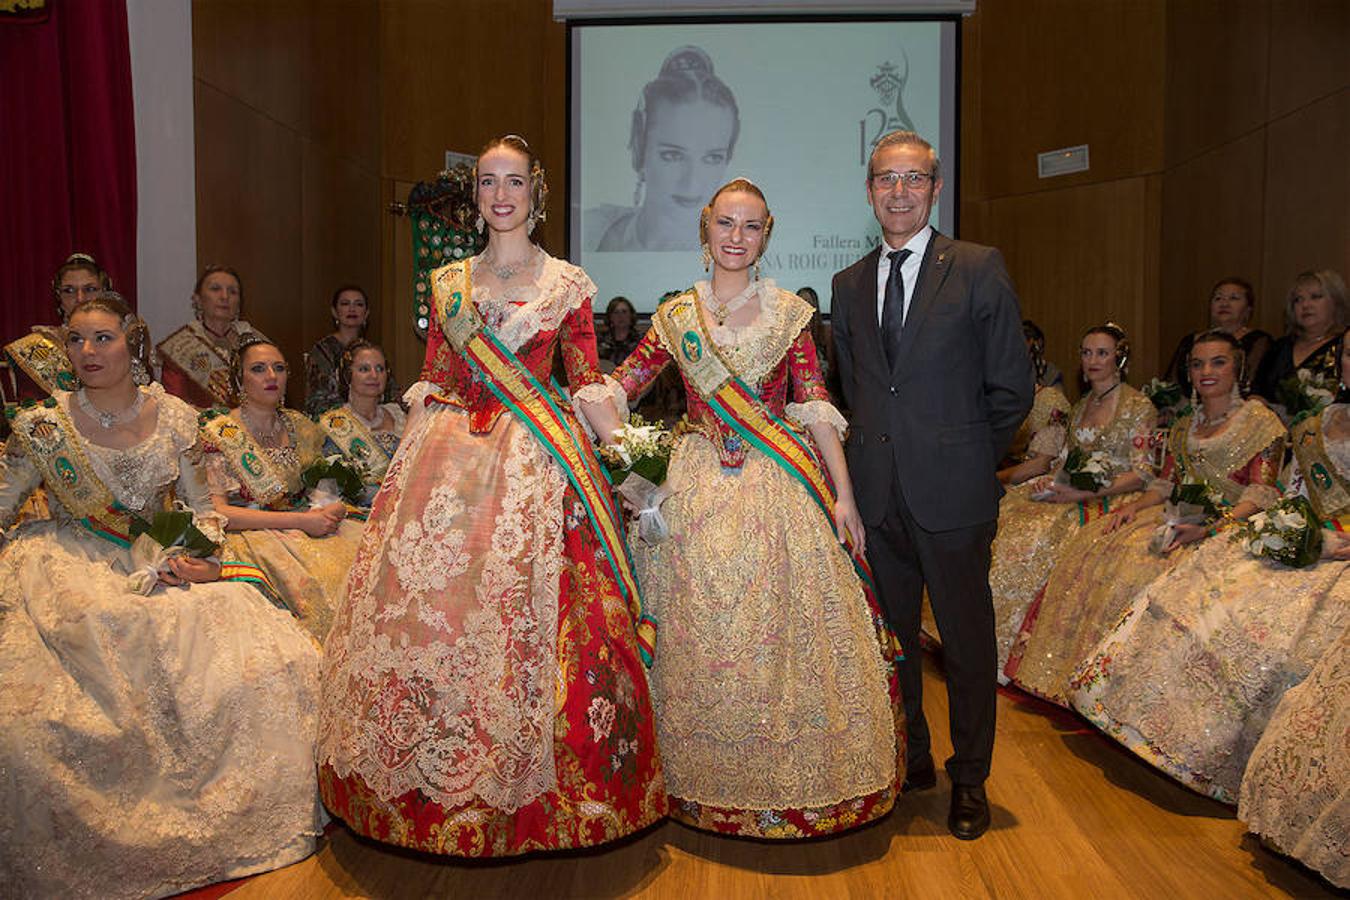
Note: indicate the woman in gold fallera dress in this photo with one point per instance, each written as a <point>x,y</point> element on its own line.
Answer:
<point>1230,446</point>
<point>777,705</point>
<point>1037,517</point>
<point>195,359</point>
<point>1192,672</point>
<point>483,685</point>
<point>148,743</point>
<point>365,431</point>
<point>254,457</point>
<point>1296,791</point>
<point>41,354</point>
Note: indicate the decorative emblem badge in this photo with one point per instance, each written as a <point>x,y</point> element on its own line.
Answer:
<point>691,346</point>
<point>1320,476</point>
<point>66,471</point>
<point>453,310</point>
<point>249,461</point>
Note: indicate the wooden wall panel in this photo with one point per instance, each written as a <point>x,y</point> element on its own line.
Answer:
<point>249,212</point>
<point>256,51</point>
<point>407,349</point>
<point>1055,73</point>
<point>1081,255</point>
<point>1217,53</point>
<point>1307,214</point>
<point>1308,40</point>
<point>1212,227</point>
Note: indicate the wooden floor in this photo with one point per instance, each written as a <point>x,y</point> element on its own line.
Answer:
<point>1074,816</point>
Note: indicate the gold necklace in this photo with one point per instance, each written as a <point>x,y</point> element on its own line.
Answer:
<point>722,310</point>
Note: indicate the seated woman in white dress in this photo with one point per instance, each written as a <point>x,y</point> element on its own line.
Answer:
<point>777,705</point>
<point>148,744</point>
<point>365,431</point>
<point>1192,672</point>
<point>1230,448</point>
<point>255,456</point>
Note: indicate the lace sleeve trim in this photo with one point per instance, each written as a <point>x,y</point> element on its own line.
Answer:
<point>814,412</point>
<point>598,392</point>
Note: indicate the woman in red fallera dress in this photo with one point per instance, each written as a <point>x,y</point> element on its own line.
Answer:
<point>483,686</point>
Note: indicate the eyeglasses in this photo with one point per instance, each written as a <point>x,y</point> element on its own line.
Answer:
<point>70,290</point>
<point>891,180</point>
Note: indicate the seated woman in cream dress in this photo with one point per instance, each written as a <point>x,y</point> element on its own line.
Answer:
<point>777,707</point>
<point>148,743</point>
<point>1192,672</point>
<point>254,457</point>
<point>365,431</point>
<point>1231,446</point>
<point>1296,791</point>
<point>1036,517</point>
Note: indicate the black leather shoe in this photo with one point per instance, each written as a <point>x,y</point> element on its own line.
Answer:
<point>969,817</point>
<point>920,777</point>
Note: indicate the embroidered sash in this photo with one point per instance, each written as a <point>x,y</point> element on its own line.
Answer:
<point>532,405</point>
<point>192,352</point>
<point>50,440</point>
<point>267,483</point>
<point>44,360</point>
<point>357,441</point>
<point>1328,491</point>
<point>682,330</point>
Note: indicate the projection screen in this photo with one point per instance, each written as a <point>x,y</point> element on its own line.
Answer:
<point>662,114</point>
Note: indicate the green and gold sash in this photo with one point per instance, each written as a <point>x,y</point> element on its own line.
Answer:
<point>679,323</point>
<point>535,408</point>
<point>356,440</point>
<point>191,351</point>
<point>1328,491</point>
<point>267,482</point>
<point>42,358</point>
<point>55,447</point>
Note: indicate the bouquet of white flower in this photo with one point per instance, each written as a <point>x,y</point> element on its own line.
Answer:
<point>171,533</point>
<point>1288,533</point>
<point>637,463</point>
<point>334,479</point>
<point>1304,394</point>
<point>1088,471</point>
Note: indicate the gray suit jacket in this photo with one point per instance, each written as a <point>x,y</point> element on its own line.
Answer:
<point>942,417</point>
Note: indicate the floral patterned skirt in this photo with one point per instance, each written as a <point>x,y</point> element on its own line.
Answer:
<point>778,709</point>
<point>1190,675</point>
<point>482,689</point>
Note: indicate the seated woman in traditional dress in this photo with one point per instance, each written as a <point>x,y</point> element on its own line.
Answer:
<point>777,707</point>
<point>1039,441</point>
<point>196,357</point>
<point>255,456</point>
<point>1296,792</point>
<point>323,364</point>
<point>41,353</point>
<point>1192,672</point>
<point>1231,304</point>
<point>364,430</point>
<point>148,744</point>
<point>1317,313</point>
<point>1113,423</point>
<point>483,685</point>
<point>1233,447</point>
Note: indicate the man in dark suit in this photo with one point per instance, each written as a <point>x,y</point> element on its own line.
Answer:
<point>929,342</point>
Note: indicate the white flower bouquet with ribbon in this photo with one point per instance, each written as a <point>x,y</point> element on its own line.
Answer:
<point>169,535</point>
<point>1087,471</point>
<point>1191,503</point>
<point>334,479</point>
<point>637,462</point>
<point>1288,533</point>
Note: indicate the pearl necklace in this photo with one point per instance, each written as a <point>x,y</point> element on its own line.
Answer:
<point>510,270</point>
<point>722,310</point>
<point>107,420</point>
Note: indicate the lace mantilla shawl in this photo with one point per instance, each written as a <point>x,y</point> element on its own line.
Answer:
<point>519,313</point>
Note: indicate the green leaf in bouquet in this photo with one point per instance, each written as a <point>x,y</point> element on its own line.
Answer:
<point>348,480</point>
<point>1195,493</point>
<point>1305,548</point>
<point>174,528</point>
<point>652,468</point>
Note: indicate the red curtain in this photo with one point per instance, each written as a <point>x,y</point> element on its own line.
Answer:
<point>67,153</point>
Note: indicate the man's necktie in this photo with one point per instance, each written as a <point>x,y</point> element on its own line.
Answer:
<point>893,307</point>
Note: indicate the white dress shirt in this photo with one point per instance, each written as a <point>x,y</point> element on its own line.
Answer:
<point>909,269</point>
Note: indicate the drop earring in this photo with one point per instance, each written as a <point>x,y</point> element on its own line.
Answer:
<point>707,256</point>
<point>757,270</point>
<point>479,225</point>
